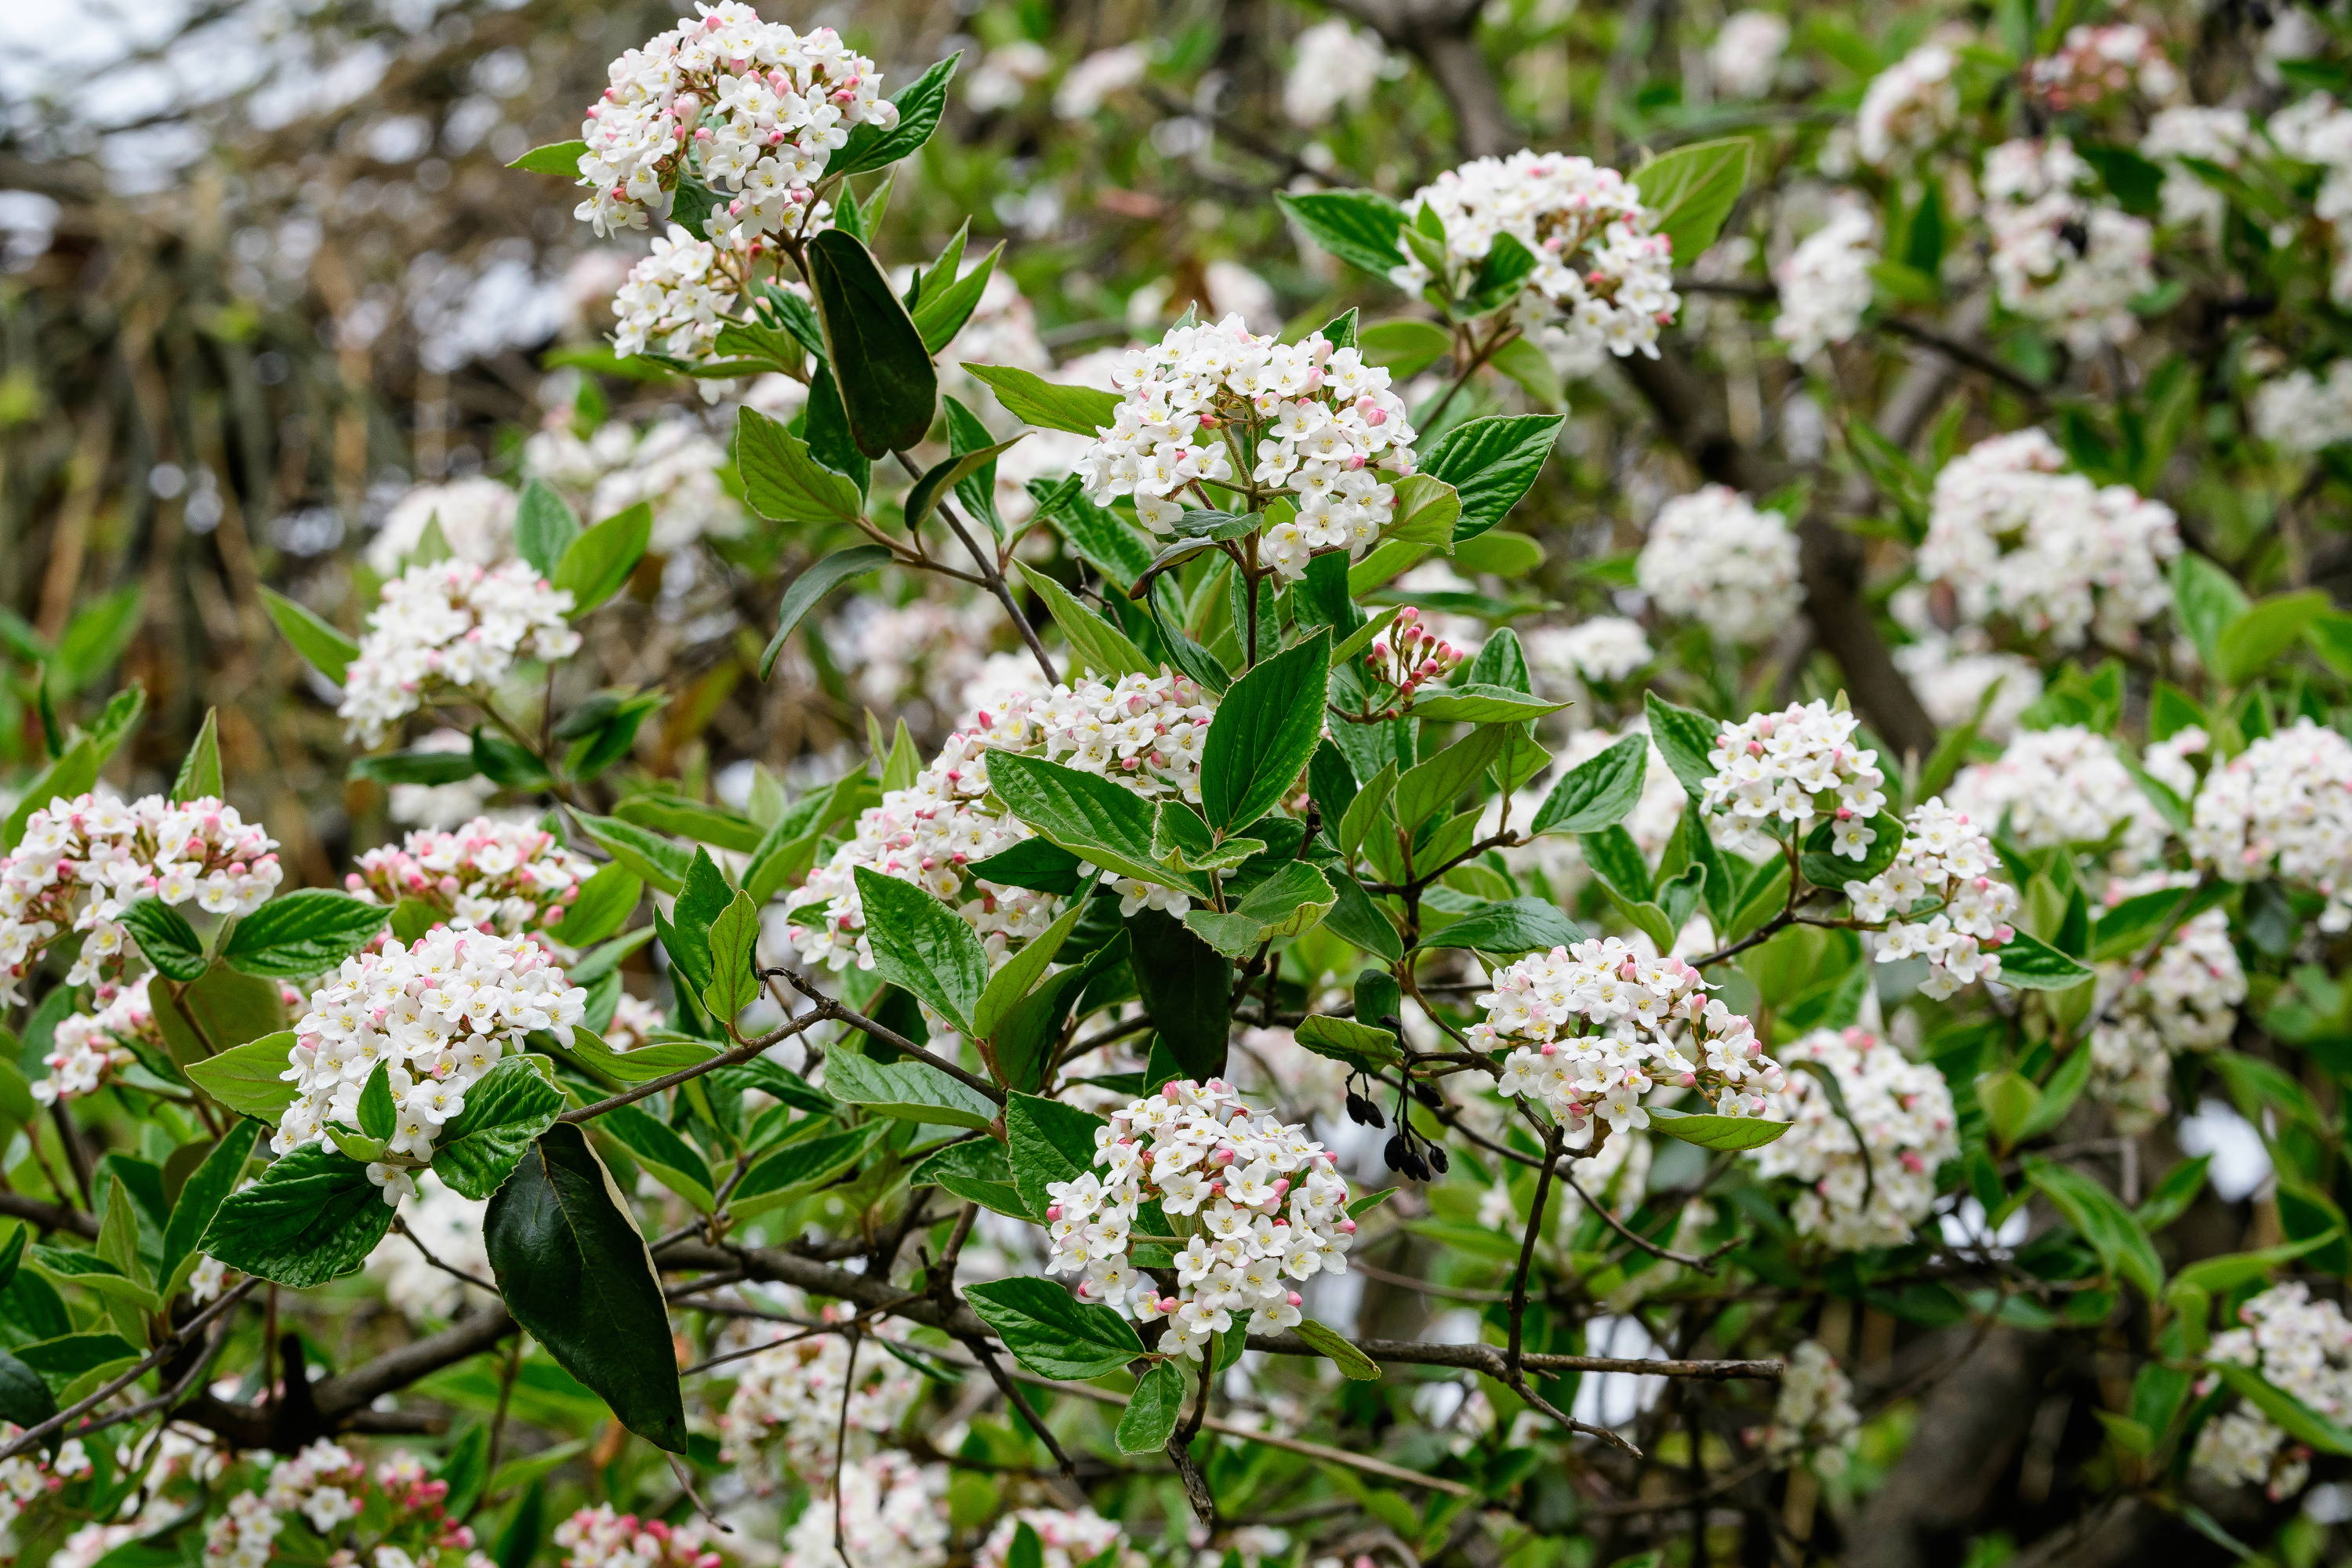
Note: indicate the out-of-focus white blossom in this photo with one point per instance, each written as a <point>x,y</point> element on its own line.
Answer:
<point>1604,649</point>
<point>672,465</point>
<point>2063,785</point>
<point>2317,129</point>
<point>1952,682</point>
<point>1092,81</point>
<point>449,1225</point>
<point>2015,535</point>
<point>1872,1192</point>
<point>444,805</point>
<point>599,1538</point>
<point>2283,808</point>
<point>2190,131</point>
<point>2094,64</point>
<point>2059,257</point>
<point>2299,1346</point>
<point>1066,1538</point>
<point>1746,53</point>
<point>1004,75</point>
<point>1814,1417</point>
<point>1908,107</point>
<point>893,1513</point>
<point>1258,1204</point>
<point>476,516</point>
<point>2186,999</point>
<point>1604,278</point>
<point>788,1399</point>
<point>1714,557</point>
<point>1825,284</point>
<point>1336,67</point>
<point>455,623</point>
<point>2302,413</point>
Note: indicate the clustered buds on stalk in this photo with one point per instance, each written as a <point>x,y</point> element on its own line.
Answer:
<point>1407,657</point>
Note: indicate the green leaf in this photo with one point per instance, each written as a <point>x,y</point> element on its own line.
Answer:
<point>799,1168</point>
<point>943,308</point>
<point>734,962</point>
<point>329,650</point>
<point>888,385</point>
<point>576,1274</point>
<point>1046,1142</point>
<point>1352,1363</point>
<point>1286,903</point>
<point>62,1361</point>
<point>945,475</point>
<point>1186,986</point>
<point>417,767</point>
<point>918,103</point>
<point>2218,1276</point>
<point>977,1171</point>
<point>1433,786</point>
<point>1599,792</point>
<point>2206,600</point>
<point>1693,189</point>
<point>1480,704</point>
<point>783,483</point>
<point>1086,814</point>
<point>201,1195</point>
<point>223,1008</point>
<point>1426,511</point>
<point>1512,926</point>
<point>1710,1132</point>
<point>1348,1040</point>
<point>604,903</point>
<point>545,527</point>
<point>1825,867</point>
<point>1151,1410</point>
<point>2255,640</point>
<point>2029,963</point>
<point>644,1063</point>
<point>1021,973</point>
<point>1491,462</point>
<point>302,933</point>
<point>505,1109</point>
<point>650,855</point>
<point>554,158</point>
<point>25,1398</point>
<point>313,1216</point>
<point>1404,347</point>
<point>1360,228</point>
<point>672,1160</point>
<point>923,947</point>
<point>246,1079</point>
<point>2113,1231</point>
<point>2299,1420</point>
<point>1099,645</point>
<point>595,564</point>
<point>166,939</point>
<point>1049,405</point>
<point>1264,731</point>
<point>906,1091</point>
<point>1052,1332</point>
<point>1684,738</point>
<point>378,1116</point>
<point>200,771</point>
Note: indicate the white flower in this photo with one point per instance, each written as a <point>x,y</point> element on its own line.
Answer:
<point>2220,136</point>
<point>1825,284</point>
<point>1606,647</point>
<point>598,1538</point>
<point>1789,771</point>
<point>788,1399</point>
<point>2283,807</point>
<point>1941,900</point>
<point>893,1513</point>
<point>449,1225</point>
<point>1604,278</point>
<point>2297,1345</point>
<point>2059,786</point>
<point>450,622</point>
<point>1908,107</point>
<point>672,465</point>
<point>1874,1192</point>
<point>1746,54</point>
<point>1813,1415</point>
<point>1068,1538</point>
<point>475,517</point>
<point>490,874</point>
<point>1336,67</point>
<point>2014,535</point>
<point>2186,1000</point>
<point>2302,413</point>
<point>2059,257</point>
<point>1712,557</point>
<point>1095,78</point>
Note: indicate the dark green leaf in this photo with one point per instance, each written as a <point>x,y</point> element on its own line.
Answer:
<point>313,1216</point>
<point>166,938</point>
<point>888,385</point>
<point>1151,1410</point>
<point>1598,792</point>
<point>1514,926</point>
<point>1052,1332</point>
<point>1264,731</point>
<point>784,483</point>
<point>1491,462</point>
<point>304,933</point>
<point>918,103</point>
<point>507,1108</point>
<point>922,946</point>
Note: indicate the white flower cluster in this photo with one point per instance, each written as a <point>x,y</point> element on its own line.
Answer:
<point>2220,136</point>
<point>2015,534</point>
<point>1825,283</point>
<point>2282,806</point>
<point>1603,281</point>
<point>751,107</point>
<point>1874,1191</point>
<point>2299,1345</point>
<point>475,517</point>
<point>2096,63</point>
<point>1796,768</point>
<point>30,1476</point>
<point>675,299</point>
<point>81,862</point>
<point>1814,1417</point>
<point>2186,1000</point>
<point>1908,107</point>
<point>2319,130</point>
<point>1322,426</point>
<point>448,1225</point>
<point>791,1397</point>
<point>2302,413</point>
<point>86,1047</point>
<point>672,465</point>
<point>1068,1538</point>
<point>1713,556</point>
<point>1604,649</point>
<point>491,873</point>
<point>441,1011</point>
<point>451,622</point>
<point>1145,732</point>
<point>1258,1203</point>
<point>2059,257</point>
<point>2059,786</point>
<point>599,1538</point>
<point>1746,54</point>
<point>1592,1028</point>
<point>893,1514</point>
<point>1335,67</point>
<point>1947,860</point>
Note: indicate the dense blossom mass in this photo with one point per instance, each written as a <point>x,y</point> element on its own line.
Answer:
<point>1144,732</point>
<point>1813,1415</point>
<point>2063,785</point>
<point>1909,107</point>
<point>1797,769</point>
<point>450,623</point>
<point>2058,256</point>
<point>86,1049</point>
<point>1259,1206</point>
<point>490,874</point>
<point>2283,807</point>
<point>1603,282</point>
<point>1867,1169</point>
<point>1719,559</point>
<point>2300,1346</point>
<point>1942,899</point>
<point>438,1013</point>
<point>2185,999</point>
<point>805,1393</point>
<point>1593,1029</point>
<point>2016,536</point>
<point>1825,284</point>
<point>892,1513</point>
<point>81,862</point>
<point>1216,407</point>
<point>600,1536</point>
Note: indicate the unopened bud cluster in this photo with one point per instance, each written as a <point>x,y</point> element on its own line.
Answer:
<point>1257,1208</point>
<point>1593,1029</point>
<point>597,1537</point>
<point>489,875</point>
<point>1408,657</point>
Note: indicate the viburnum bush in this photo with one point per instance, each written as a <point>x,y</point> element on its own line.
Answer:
<point>1667,880</point>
